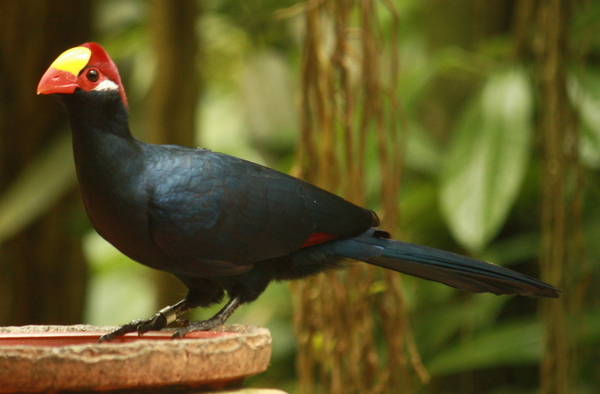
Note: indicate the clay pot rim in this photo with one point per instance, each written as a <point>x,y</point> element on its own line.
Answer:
<point>228,355</point>
<point>68,338</point>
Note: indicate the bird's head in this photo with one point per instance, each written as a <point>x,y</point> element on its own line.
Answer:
<point>87,67</point>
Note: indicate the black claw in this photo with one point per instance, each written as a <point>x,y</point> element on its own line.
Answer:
<point>160,321</point>
<point>156,322</point>
<point>217,320</point>
<point>187,326</point>
<point>204,325</point>
<point>124,329</point>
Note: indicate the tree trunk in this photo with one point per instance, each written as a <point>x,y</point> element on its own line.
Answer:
<point>42,270</point>
<point>561,194</point>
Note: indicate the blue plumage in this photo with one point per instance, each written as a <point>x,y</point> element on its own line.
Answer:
<point>224,225</point>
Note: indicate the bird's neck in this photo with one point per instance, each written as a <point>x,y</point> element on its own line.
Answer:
<point>94,115</point>
<point>103,146</point>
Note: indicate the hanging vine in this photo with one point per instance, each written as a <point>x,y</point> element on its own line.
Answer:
<point>352,326</point>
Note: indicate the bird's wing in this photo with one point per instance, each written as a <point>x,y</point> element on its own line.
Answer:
<point>211,206</point>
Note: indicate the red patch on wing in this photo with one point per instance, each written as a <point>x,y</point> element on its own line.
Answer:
<point>318,238</point>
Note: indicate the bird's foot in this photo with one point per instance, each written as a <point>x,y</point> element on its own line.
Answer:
<point>204,325</point>
<point>156,322</point>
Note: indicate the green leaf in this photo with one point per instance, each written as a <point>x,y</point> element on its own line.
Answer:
<point>473,314</point>
<point>486,164</point>
<point>585,96</point>
<point>39,185</point>
<point>518,343</point>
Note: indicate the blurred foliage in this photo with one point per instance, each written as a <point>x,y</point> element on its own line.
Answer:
<point>471,182</point>
<point>486,163</point>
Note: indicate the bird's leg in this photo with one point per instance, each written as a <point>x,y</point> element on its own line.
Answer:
<point>157,322</point>
<point>218,319</point>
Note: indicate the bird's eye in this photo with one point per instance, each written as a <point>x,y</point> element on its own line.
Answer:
<point>92,75</point>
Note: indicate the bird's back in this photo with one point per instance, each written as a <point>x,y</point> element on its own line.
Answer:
<point>207,209</point>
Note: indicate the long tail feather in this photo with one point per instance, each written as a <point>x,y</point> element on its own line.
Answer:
<point>451,269</point>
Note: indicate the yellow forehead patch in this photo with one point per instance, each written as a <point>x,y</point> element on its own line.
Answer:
<point>72,60</point>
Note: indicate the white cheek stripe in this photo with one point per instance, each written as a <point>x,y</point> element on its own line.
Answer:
<point>107,84</point>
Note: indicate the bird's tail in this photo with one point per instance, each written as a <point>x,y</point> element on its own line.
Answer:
<point>454,270</point>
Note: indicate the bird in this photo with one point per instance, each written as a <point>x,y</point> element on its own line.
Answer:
<point>222,225</point>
